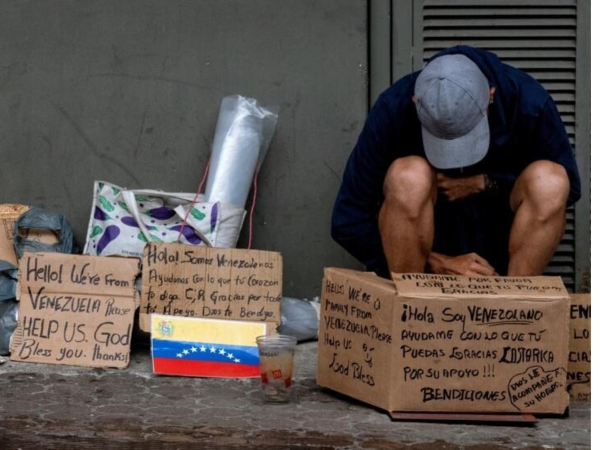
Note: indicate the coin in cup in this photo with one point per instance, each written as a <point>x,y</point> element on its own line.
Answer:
<point>276,353</point>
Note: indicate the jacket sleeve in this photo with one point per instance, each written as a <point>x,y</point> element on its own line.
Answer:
<point>354,222</point>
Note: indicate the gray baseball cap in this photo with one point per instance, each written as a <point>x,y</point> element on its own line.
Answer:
<point>452,96</point>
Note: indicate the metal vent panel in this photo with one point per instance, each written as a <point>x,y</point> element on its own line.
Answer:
<point>536,36</point>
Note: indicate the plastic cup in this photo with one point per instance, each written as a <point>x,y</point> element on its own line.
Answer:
<point>276,353</point>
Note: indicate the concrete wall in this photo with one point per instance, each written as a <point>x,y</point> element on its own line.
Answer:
<point>129,92</point>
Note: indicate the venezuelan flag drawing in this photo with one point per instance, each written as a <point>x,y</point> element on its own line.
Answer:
<point>197,347</point>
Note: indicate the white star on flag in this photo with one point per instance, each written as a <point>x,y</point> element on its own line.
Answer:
<point>221,351</point>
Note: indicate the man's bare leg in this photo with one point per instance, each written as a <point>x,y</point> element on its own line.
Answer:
<point>539,200</point>
<point>406,216</point>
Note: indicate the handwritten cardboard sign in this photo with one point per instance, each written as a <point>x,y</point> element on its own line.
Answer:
<point>427,343</point>
<point>579,376</point>
<point>75,310</point>
<point>208,282</point>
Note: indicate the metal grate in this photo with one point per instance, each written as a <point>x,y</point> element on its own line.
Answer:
<point>537,36</point>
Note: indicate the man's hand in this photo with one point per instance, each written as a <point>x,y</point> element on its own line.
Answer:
<point>460,187</point>
<point>469,264</point>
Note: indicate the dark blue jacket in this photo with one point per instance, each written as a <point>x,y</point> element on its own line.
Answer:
<point>525,126</point>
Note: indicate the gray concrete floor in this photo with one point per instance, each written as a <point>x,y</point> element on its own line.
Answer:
<point>67,407</point>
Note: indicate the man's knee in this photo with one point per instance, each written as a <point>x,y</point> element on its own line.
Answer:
<point>544,183</point>
<point>409,179</point>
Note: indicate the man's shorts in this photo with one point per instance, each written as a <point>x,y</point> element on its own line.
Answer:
<point>480,223</point>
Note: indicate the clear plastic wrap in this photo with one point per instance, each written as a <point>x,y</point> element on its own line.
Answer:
<point>242,137</point>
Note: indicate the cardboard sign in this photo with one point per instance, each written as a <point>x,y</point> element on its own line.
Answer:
<point>579,376</point>
<point>429,343</point>
<point>215,283</point>
<point>75,310</point>
<point>9,213</point>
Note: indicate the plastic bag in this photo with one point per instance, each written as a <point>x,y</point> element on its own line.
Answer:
<point>63,239</point>
<point>242,137</point>
<point>299,318</point>
<point>8,323</point>
<point>8,280</point>
<point>8,305</point>
<point>123,220</point>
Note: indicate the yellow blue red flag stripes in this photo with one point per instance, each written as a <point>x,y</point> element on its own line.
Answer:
<point>205,347</point>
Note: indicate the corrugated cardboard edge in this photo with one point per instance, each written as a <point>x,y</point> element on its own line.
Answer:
<point>369,278</point>
<point>464,417</point>
<point>9,213</point>
<point>564,405</point>
<point>580,342</point>
<point>12,210</point>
